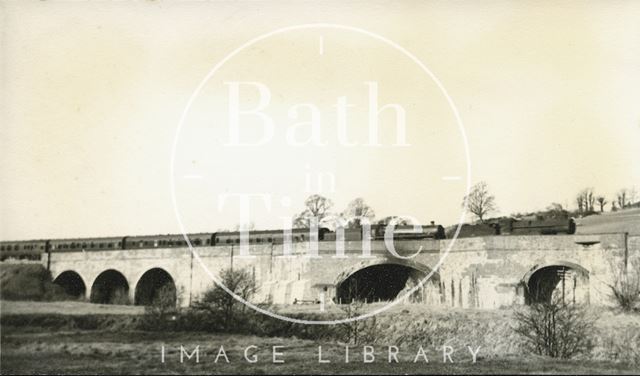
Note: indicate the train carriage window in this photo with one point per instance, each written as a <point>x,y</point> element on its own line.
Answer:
<point>208,241</point>
<point>1,247</point>
<point>269,240</point>
<point>237,241</point>
<point>228,241</point>
<point>119,244</point>
<point>84,245</point>
<point>259,240</point>
<point>110,245</point>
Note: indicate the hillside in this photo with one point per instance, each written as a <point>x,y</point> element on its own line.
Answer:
<point>620,221</point>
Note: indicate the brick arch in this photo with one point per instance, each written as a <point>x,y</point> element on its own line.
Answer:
<point>149,283</point>
<point>566,280</point>
<point>381,261</point>
<point>110,287</point>
<point>72,282</point>
<point>386,279</point>
<point>568,264</point>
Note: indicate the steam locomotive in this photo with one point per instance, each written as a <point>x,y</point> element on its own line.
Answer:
<point>511,226</point>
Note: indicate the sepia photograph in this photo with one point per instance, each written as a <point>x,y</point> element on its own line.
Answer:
<point>329,187</point>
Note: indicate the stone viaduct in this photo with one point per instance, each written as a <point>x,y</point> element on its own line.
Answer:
<point>479,272</point>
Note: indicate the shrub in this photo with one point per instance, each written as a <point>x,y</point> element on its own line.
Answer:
<point>225,312</point>
<point>29,282</point>
<point>626,285</point>
<point>161,313</point>
<point>556,329</point>
<point>358,331</point>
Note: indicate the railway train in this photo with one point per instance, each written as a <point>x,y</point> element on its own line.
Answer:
<point>33,249</point>
<point>511,226</point>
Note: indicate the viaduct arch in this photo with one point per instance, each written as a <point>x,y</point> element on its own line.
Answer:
<point>556,280</point>
<point>72,284</point>
<point>155,283</point>
<point>110,287</point>
<point>386,279</point>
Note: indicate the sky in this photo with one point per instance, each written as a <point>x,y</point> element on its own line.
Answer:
<point>102,131</point>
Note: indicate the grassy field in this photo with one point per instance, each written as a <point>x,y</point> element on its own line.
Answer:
<point>627,220</point>
<point>96,352</point>
<point>37,339</point>
<point>66,308</point>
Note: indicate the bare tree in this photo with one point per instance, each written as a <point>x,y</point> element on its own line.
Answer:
<point>580,203</point>
<point>217,301</point>
<point>621,197</point>
<point>602,201</point>
<point>317,207</point>
<point>556,329</point>
<point>356,211</point>
<point>357,331</point>
<point>632,195</point>
<point>625,289</point>
<point>586,200</point>
<point>479,201</point>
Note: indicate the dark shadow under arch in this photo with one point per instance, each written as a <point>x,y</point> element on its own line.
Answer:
<point>384,282</point>
<point>152,284</point>
<point>72,284</point>
<point>110,287</point>
<point>566,282</point>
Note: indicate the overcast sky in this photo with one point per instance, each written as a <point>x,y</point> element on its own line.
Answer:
<point>92,95</point>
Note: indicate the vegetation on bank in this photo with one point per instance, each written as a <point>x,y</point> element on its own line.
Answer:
<point>28,282</point>
<point>615,336</point>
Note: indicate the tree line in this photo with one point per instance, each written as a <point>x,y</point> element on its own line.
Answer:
<point>320,209</point>
<point>480,202</point>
